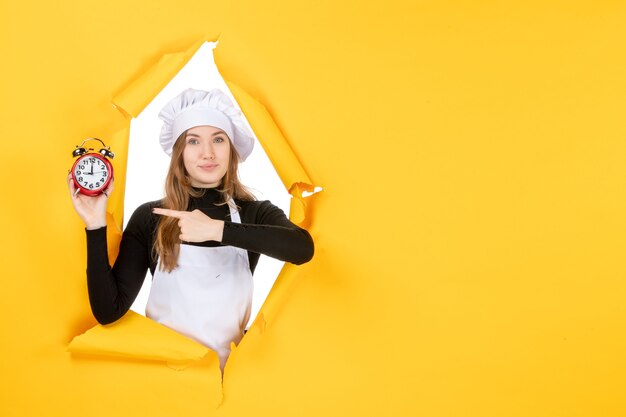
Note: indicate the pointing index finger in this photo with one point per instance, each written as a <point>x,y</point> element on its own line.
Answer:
<point>168,212</point>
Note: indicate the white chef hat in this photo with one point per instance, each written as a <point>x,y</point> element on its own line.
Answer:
<point>193,108</point>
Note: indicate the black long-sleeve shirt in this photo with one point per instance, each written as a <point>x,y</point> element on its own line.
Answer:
<point>264,229</point>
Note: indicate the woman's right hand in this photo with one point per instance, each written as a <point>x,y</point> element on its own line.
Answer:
<point>92,210</point>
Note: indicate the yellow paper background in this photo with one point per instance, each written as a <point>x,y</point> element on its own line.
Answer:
<point>469,237</point>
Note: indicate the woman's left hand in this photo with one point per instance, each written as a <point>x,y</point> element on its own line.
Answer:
<point>195,226</point>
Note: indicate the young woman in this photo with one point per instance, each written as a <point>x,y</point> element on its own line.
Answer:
<point>202,241</point>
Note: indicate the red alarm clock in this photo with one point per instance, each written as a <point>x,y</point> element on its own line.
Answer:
<point>92,171</point>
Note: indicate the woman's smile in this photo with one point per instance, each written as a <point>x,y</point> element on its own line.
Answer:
<point>208,167</point>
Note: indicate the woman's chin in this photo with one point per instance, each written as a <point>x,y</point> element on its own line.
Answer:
<point>205,182</point>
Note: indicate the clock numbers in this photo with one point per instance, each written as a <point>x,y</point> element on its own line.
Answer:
<point>91,173</point>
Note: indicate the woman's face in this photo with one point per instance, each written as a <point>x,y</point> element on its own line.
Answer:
<point>206,155</point>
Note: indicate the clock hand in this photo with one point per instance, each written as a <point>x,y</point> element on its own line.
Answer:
<point>91,169</point>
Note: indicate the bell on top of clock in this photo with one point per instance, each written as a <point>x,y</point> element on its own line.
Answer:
<point>92,171</point>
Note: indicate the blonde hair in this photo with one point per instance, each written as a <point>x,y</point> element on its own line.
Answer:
<point>178,190</point>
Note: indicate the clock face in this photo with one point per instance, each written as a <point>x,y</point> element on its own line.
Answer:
<point>91,172</point>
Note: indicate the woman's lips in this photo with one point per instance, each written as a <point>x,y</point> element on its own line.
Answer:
<point>208,167</point>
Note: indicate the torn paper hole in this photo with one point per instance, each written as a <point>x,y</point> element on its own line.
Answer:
<point>131,102</point>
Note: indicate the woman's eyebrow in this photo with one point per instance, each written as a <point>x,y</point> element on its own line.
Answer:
<point>216,133</point>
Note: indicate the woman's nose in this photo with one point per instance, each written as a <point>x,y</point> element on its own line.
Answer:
<point>207,151</point>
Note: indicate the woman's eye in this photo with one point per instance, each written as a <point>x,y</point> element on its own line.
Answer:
<point>219,139</point>
<point>192,141</point>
